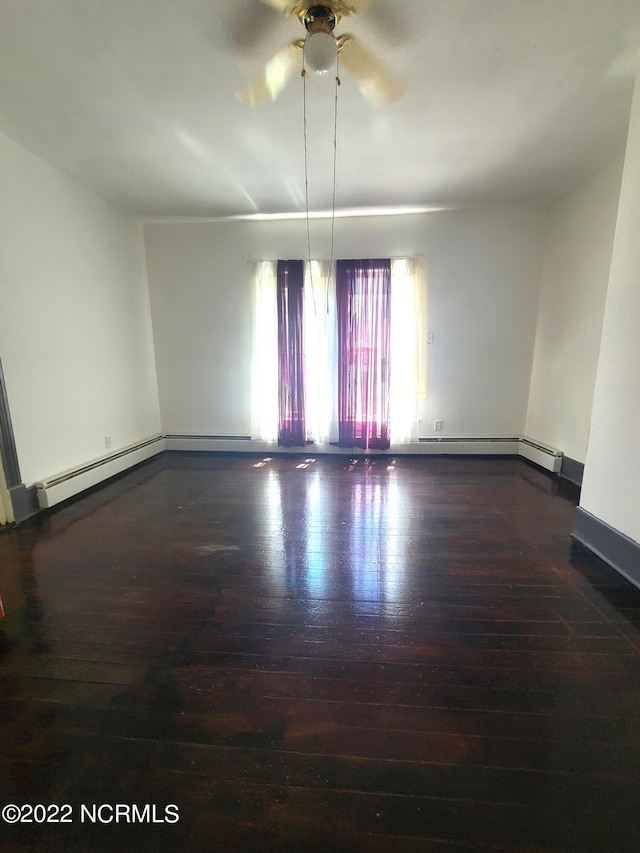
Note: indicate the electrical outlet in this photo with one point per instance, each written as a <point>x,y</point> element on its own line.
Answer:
<point>107,441</point>
<point>429,337</point>
<point>437,426</point>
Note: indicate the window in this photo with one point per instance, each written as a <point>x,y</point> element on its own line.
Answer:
<point>351,370</point>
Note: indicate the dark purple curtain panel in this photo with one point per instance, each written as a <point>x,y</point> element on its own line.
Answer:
<point>363,290</point>
<point>291,419</point>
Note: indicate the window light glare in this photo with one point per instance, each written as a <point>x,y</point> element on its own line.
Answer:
<point>345,213</point>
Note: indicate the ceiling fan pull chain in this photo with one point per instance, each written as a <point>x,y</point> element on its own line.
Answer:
<point>306,178</point>
<point>335,157</point>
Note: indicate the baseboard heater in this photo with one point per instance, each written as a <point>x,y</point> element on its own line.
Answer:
<point>546,457</point>
<point>244,443</point>
<point>466,446</point>
<point>220,443</point>
<point>543,455</point>
<point>69,483</point>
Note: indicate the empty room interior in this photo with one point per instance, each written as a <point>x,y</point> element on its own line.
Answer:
<point>319,423</point>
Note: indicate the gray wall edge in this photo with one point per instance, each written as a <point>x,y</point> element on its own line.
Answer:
<point>572,470</point>
<point>24,501</point>
<point>616,549</point>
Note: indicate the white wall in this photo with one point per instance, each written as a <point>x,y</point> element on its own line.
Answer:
<point>575,276</point>
<point>612,468</point>
<point>75,331</point>
<point>483,270</point>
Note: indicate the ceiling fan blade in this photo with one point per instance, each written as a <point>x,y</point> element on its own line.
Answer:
<point>275,76</point>
<point>360,5</point>
<point>376,82</point>
<point>281,5</point>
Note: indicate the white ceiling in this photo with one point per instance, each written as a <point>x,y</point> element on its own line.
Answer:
<point>507,101</point>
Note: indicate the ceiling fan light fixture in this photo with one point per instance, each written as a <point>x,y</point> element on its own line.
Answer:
<point>320,52</point>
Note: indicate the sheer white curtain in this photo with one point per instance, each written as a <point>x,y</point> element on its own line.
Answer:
<point>407,351</point>
<point>408,347</point>
<point>264,390</point>
<point>320,353</point>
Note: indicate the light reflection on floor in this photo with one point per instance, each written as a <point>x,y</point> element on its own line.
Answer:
<point>301,554</point>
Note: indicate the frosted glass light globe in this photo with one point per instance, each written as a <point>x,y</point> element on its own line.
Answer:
<point>320,52</point>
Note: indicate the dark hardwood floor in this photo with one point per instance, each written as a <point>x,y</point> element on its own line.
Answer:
<point>322,655</point>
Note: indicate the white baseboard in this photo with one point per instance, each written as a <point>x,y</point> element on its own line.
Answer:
<point>488,446</point>
<point>548,458</point>
<point>69,483</point>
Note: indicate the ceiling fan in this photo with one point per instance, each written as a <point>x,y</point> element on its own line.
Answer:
<point>321,48</point>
